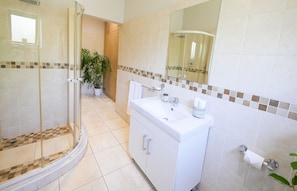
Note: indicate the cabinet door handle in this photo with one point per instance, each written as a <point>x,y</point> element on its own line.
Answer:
<point>148,152</point>
<point>143,142</point>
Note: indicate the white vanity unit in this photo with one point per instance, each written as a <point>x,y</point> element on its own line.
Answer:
<point>168,143</point>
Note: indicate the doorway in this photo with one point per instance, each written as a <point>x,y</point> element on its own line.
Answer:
<point>101,36</point>
<point>111,51</point>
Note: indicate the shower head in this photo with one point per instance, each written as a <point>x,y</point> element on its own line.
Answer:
<point>32,2</point>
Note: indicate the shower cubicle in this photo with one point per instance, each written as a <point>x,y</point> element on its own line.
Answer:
<point>40,119</point>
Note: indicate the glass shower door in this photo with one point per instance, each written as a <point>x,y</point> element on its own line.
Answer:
<point>39,109</point>
<point>57,136</point>
<point>19,92</point>
<point>33,88</point>
<point>74,73</point>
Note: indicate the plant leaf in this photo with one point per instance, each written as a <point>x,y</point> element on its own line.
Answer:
<point>294,165</point>
<point>293,154</point>
<point>280,179</point>
<point>294,180</point>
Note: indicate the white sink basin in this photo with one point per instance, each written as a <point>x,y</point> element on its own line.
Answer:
<point>177,121</point>
<point>164,111</point>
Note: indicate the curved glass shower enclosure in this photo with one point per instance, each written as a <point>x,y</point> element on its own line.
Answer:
<point>39,84</point>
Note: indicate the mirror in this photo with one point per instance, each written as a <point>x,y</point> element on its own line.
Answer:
<point>191,40</point>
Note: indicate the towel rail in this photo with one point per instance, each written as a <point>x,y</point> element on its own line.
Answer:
<point>153,88</point>
<point>143,85</point>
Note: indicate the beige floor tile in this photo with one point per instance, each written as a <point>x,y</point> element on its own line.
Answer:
<point>109,115</point>
<point>96,185</point>
<point>104,109</point>
<point>103,105</point>
<point>122,134</point>
<point>90,114</point>
<point>112,159</point>
<point>100,104</point>
<point>96,128</point>
<point>128,178</point>
<point>102,141</point>
<point>115,124</point>
<point>125,146</point>
<point>92,120</point>
<point>86,171</point>
<point>86,109</point>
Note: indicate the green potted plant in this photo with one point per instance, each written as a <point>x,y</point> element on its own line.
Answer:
<point>94,67</point>
<point>283,180</point>
<point>86,61</point>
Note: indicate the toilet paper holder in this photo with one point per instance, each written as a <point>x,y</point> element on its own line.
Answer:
<point>270,164</point>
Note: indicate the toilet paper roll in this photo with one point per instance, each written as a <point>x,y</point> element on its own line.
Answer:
<point>254,159</point>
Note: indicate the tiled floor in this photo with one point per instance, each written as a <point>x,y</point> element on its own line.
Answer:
<point>56,143</point>
<point>106,165</point>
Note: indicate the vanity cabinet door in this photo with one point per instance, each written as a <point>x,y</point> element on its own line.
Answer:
<point>153,156</point>
<point>161,164</point>
<point>138,142</point>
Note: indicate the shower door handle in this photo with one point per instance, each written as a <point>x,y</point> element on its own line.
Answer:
<point>72,80</point>
<point>77,80</point>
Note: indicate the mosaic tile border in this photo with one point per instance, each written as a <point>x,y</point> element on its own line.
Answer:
<point>15,171</point>
<point>10,143</point>
<point>284,109</point>
<point>33,137</point>
<point>187,69</point>
<point>34,65</point>
<point>179,68</point>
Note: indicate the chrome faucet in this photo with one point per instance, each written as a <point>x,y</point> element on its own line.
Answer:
<point>158,88</point>
<point>175,101</point>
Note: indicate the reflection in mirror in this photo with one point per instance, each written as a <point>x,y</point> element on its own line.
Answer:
<point>189,55</point>
<point>193,50</point>
<point>191,39</point>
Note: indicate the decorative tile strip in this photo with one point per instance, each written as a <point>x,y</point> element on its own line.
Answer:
<point>186,69</point>
<point>33,137</point>
<point>284,109</point>
<point>174,68</point>
<point>33,65</point>
<point>18,170</point>
<point>14,171</point>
